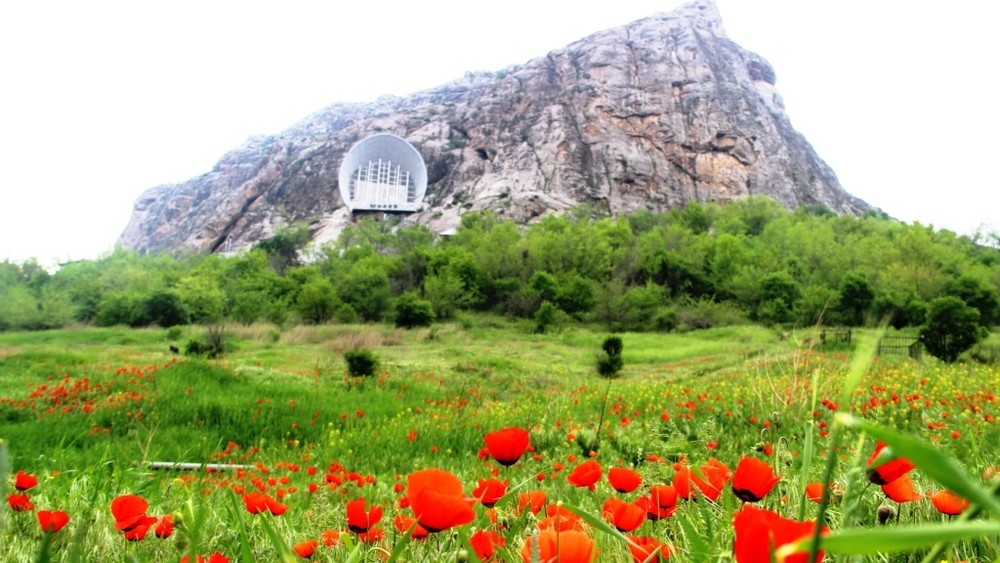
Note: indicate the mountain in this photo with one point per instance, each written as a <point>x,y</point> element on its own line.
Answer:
<point>653,114</point>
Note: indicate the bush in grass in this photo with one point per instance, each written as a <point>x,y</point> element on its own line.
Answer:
<point>411,311</point>
<point>545,316</point>
<point>212,345</point>
<point>361,362</point>
<point>609,360</point>
<point>666,319</point>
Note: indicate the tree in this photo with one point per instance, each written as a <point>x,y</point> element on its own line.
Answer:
<point>18,308</point>
<point>202,296</point>
<point>283,248</point>
<point>366,289</point>
<point>317,301</point>
<point>856,297</point>
<point>164,308</point>
<point>979,294</point>
<point>778,294</point>
<point>952,328</point>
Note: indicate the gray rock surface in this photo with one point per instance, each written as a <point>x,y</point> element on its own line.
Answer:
<point>653,114</point>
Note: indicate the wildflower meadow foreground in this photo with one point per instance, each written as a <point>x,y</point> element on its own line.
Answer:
<point>733,447</point>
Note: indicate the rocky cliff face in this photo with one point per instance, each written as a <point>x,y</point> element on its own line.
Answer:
<point>652,115</point>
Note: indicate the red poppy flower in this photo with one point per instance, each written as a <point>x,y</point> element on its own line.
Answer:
<point>625,516</point>
<point>814,491</point>
<point>305,549</point>
<point>533,499</point>
<point>559,518</point>
<point>128,510</point>
<point>569,546</point>
<point>330,537</point>
<point>404,523</point>
<point>490,491</point>
<point>24,481</point>
<point>587,474</point>
<point>164,526</point>
<point>947,502</point>
<point>373,535</point>
<point>645,549</point>
<point>52,520</point>
<point>653,511</point>
<point>508,445</point>
<point>660,503</point>
<point>753,479</point>
<point>437,500</point>
<point>19,503</point>
<point>138,532</point>
<point>358,520</point>
<point>623,479</point>
<point>760,532</point>
<point>683,483</point>
<point>130,516</point>
<point>486,542</point>
<point>718,475</point>
<point>889,471</point>
<point>257,503</point>
<point>901,490</point>
<point>213,558</point>
<point>664,496</point>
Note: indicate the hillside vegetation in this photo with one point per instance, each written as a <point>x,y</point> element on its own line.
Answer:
<point>699,267</point>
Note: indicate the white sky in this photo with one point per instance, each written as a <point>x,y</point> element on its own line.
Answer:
<point>101,100</point>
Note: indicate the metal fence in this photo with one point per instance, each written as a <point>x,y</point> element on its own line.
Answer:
<point>900,346</point>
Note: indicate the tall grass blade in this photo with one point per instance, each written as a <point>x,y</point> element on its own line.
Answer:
<point>401,543</point>
<point>598,524</point>
<point>931,460</point>
<point>859,365</point>
<point>859,541</point>
<point>284,552</point>
<point>45,551</point>
<point>807,448</point>
<point>354,548</point>
<point>4,476</point>
<point>934,554</point>
<point>246,553</point>
<point>697,546</point>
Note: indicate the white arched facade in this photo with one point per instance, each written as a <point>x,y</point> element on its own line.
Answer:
<point>383,172</point>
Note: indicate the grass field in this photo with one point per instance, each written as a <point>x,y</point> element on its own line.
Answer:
<point>87,410</point>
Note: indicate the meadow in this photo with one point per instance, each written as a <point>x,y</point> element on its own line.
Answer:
<point>651,464</point>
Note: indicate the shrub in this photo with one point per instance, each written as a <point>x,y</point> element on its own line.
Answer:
<point>666,319</point>
<point>212,345</point>
<point>609,360</point>
<point>361,362</point>
<point>411,311</point>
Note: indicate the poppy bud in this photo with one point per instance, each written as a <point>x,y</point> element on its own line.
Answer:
<point>885,512</point>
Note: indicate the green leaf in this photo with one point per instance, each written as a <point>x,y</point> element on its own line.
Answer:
<point>597,523</point>
<point>246,553</point>
<point>401,543</point>
<point>931,460</point>
<point>867,541</point>
<point>355,554</point>
<point>697,546</point>
<point>284,552</point>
